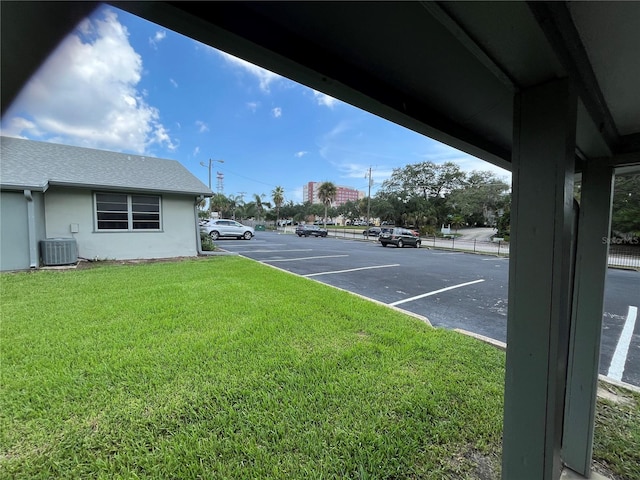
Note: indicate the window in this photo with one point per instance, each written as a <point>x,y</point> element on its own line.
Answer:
<point>120,211</point>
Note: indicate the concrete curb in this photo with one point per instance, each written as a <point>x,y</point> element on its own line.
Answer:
<point>503,346</point>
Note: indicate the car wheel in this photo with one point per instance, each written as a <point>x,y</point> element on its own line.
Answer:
<point>383,244</point>
<point>400,244</point>
<point>418,244</point>
<point>214,235</point>
<point>247,235</point>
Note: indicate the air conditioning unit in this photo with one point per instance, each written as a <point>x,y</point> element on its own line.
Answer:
<point>59,251</point>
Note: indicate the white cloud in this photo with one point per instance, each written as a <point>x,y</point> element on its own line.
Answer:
<point>277,112</point>
<point>157,38</point>
<point>202,127</point>
<point>196,151</point>
<point>324,99</point>
<point>173,82</point>
<point>300,154</point>
<point>16,125</point>
<point>86,93</point>
<point>253,106</point>
<point>265,77</point>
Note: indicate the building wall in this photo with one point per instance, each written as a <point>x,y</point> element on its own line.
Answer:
<point>343,194</point>
<point>14,229</point>
<point>177,238</point>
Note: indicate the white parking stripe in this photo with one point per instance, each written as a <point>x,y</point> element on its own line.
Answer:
<point>303,258</point>
<point>351,270</point>
<point>619,359</point>
<point>435,292</point>
<point>277,251</point>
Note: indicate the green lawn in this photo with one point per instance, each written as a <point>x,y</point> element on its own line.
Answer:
<point>225,368</point>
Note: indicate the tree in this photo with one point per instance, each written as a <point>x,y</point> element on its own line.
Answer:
<point>626,204</point>
<point>255,208</point>
<point>424,187</point>
<point>219,203</point>
<point>351,210</point>
<point>426,179</point>
<point>479,198</point>
<point>503,224</point>
<point>236,205</point>
<point>278,198</point>
<point>327,193</point>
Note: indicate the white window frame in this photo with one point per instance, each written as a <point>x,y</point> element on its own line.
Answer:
<point>130,212</point>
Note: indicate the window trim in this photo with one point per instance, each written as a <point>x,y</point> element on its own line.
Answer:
<point>130,212</point>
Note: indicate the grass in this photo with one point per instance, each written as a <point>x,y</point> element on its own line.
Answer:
<point>224,368</point>
<point>617,433</point>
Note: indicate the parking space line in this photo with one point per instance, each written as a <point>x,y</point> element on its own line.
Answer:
<point>302,258</point>
<point>278,251</point>
<point>351,270</point>
<point>619,359</point>
<point>435,292</point>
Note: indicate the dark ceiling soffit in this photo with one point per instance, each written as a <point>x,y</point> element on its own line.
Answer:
<point>30,31</point>
<point>472,46</point>
<point>555,21</point>
<point>235,28</point>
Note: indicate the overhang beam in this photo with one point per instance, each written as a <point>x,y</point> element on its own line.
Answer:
<point>557,24</point>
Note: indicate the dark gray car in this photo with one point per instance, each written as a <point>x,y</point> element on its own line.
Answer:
<point>399,237</point>
<point>310,230</point>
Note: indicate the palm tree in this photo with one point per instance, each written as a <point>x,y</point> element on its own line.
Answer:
<point>257,200</point>
<point>278,197</point>
<point>236,202</point>
<point>326,194</point>
<point>219,203</point>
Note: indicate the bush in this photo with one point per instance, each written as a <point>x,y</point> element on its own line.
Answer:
<point>428,231</point>
<point>207,243</point>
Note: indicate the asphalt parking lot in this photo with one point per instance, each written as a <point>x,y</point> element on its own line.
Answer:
<point>452,289</point>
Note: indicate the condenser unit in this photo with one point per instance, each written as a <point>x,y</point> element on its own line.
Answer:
<point>59,251</point>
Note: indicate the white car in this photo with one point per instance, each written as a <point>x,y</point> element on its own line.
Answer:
<point>226,228</point>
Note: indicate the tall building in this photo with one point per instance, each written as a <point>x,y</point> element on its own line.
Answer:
<point>343,194</point>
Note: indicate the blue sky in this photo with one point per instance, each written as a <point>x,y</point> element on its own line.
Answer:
<point>124,84</point>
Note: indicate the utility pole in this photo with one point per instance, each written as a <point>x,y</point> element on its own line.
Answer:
<point>368,201</point>
<point>209,166</point>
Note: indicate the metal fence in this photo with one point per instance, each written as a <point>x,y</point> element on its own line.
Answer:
<point>625,256</point>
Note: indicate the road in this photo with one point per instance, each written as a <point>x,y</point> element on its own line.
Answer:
<point>451,289</point>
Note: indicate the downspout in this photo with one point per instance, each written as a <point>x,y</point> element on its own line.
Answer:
<point>197,223</point>
<point>31,230</point>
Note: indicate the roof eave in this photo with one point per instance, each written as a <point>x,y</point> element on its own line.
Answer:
<point>117,188</point>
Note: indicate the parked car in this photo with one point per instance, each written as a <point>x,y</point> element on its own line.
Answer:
<point>218,228</point>
<point>308,230</point>
<point>371,231</point>
<point>399,237</point>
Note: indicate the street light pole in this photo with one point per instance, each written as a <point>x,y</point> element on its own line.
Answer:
<point>369,203</point>
<point>209,166</point>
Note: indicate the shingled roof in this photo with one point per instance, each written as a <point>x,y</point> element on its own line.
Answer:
<point>28,164</point>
